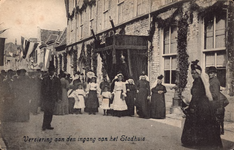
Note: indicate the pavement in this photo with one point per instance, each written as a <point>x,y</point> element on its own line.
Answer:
<point>175,120</point>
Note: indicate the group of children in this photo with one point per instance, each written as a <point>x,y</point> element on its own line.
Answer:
<point>77,96</point>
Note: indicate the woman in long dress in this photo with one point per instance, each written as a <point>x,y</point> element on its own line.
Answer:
<point>158,108</point>
<point>119,105</point>
<point>143,93</point>
<point>131,96</point>
<point>61,107</point>
<point>199,127</point>
<point>92,103</point>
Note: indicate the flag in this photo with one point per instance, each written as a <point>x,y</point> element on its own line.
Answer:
<point>21,54</point>
<point>47,59</point>
<point>25,50</point>
<point>32,47</point>
<point>2,44</point>
<point>22,43</point>
<point>3,31</point>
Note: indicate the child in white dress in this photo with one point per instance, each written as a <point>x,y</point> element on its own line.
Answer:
<point>106,96</point>
<point>79,95</point>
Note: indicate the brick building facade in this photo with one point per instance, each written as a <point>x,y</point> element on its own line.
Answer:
<point>208,37</point>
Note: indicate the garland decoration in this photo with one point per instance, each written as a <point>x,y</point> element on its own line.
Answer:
<point>94,57</point>
<point>65,61</point>
<point>167,22</point>
<point>230,47</point>
<point>71,16</point>
<point>82,58</point>
<point>56,63</point>
<point>88,57</point>
<point>182,56</point>
<point>79,10</point>
<point>150,39</point>
<point>75,60</point>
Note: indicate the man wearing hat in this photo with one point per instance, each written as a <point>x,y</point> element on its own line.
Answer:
<point>21,88</point>
<point>7,96</point>
<point>214,83</point>
<point>217,104</point>
<point>51,92</point>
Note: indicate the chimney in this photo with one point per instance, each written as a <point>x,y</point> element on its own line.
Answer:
<point>15,41</point>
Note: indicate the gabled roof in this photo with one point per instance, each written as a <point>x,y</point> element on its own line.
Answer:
<point>49,35</point>
<point>62,39</point>
<point>11,47</point>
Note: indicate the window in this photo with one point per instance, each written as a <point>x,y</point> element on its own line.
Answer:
<point>74,3</point>
<point>214,32</point>
<point>120,1</point>
<point>139,7</point>
<point>120,11</point>
<point>106,14</point>
<point>106,5</point>
<point>214,44</point>
<point>169,1</point>
<point>91,18</point>
<point>106,21</point>
<point>169,54</point>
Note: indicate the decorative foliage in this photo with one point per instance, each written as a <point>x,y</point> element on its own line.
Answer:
<point>75,60</point>
<point>84,6</point>
<point>151,34</point>
<point>167,22</point>
<point>65,61</point>
<point>56,63</point>
<point>182,56</point>
<point>70,16</point>
<point>88,58</point>
<point>230,47</point>
<point>94,57</point>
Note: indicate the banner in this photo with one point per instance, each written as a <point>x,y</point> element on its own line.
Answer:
<point>22,43</point>
<point>2,45</point>
<point>31,49</point>
<point>47,59</point>
<point>25,50</point>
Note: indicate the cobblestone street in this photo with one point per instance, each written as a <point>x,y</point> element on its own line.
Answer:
<point>94,132</point>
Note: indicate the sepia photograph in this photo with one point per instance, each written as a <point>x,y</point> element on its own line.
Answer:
<point>116,74</point>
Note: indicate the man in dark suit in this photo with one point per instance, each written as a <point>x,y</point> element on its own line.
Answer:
<point>218,109</point>
<point>51,92</point>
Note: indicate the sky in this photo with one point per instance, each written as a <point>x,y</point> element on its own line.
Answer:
<point>25,17</point>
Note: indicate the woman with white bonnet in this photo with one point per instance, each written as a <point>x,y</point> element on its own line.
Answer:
<point>158,108</point>
<point>199,131</point>
<point>119,105</point>
<point>143,95</point>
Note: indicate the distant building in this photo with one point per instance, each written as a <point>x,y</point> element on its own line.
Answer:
<point>47,42</point>
<point>11,56</point>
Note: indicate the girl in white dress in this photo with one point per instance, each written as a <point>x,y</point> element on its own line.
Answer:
<point>106,96</point>
<point>79,95</point>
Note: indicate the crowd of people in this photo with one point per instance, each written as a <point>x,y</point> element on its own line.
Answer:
<point>29,92</point>
<point>61,94</point>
